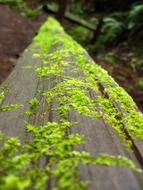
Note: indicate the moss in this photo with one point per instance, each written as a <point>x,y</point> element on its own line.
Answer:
<point>3,93</point>
<point>72,94</point>
<point>10,107</point>
<point>132,118</point>
<point>60,57</point>
<point>34,104</point>
<point>2,96</point>
<point>97,74</point>
<point>114,118</point>
<point>94,73</point>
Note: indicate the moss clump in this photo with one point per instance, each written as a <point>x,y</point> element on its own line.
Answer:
<point>72,94</point>
<point>34,104</point>
<point>3,93</point>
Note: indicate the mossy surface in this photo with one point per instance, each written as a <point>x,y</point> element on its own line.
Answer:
<point>75,76</point>
<point>95,74</point>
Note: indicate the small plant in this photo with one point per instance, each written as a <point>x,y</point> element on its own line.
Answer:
<point>111,30</point>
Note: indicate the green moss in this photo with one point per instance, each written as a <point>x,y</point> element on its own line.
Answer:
<point>67,95</point>
<point>96,74</point>
<point>34,104</point>
<point>10,107</point>
<point>61,57</point>
<point>2,96</point>
<point>131,118</point>
<point>72,94</point>
<point>3,93</point>
<point>114,119</point>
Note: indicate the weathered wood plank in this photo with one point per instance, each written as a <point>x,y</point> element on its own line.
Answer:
<point>67,84</point>
<point>22,83</point>
<point>102,139</point>
<point>137,145</point>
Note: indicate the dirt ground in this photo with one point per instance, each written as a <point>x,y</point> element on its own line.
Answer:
<point>16,32</point>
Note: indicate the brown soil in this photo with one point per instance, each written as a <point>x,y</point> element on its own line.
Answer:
<point>16,32</point>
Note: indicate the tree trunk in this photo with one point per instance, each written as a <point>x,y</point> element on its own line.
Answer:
<point>62,9</point>
<point>98,30</point>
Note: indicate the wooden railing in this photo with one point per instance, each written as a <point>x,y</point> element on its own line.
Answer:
<point>72,121</point>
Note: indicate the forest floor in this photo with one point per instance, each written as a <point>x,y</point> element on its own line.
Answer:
<point>17,31</point>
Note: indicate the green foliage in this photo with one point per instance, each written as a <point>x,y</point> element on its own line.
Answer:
<point>80,34</point>
<point>111,30</point>
<point>78,11</point>
<point>110,57</point>
<point>22,7</point>
<point>31,13</point>
<point>115,26</point>
<point>135,15</point>
<point>77,8</point>
<point>12,2</point>
<point>140,84</point>
<point>134,18</point>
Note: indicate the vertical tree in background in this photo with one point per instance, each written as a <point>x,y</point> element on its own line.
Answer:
<point>98,29</point>
<point>62,9</point>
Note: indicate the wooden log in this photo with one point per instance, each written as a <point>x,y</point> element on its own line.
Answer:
<point>71,98</point>
<point>71,17</point>
<point>62,9</point>
<point>22,83</point>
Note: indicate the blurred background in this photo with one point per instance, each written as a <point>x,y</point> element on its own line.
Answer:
<point>111,31</point>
